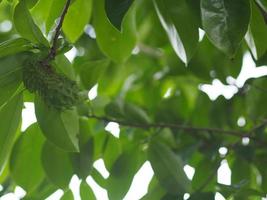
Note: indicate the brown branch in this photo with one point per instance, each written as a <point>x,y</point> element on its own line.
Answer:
<point>175,126</point>
<point>53,49</point>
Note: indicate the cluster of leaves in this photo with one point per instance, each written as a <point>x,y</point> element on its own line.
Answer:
<point>143,84</point>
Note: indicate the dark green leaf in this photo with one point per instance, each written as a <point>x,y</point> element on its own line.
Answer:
<point>183,34</point>
<point>223,23</point>
<point>116,10</point>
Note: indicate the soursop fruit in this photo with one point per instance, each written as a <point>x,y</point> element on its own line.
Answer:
<point>56,90</point>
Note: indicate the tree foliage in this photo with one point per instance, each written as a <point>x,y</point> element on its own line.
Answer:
<point>149,61</point>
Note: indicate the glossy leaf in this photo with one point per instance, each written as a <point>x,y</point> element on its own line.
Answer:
<point>77,17</point>
<point>117,40</point>
<point>183,34</point>
<point>168,168</point>
<point>60,128</point>
<point>14,46</point>
<point>25,161</point>
<point>223,24</point>
<point>10,115</point>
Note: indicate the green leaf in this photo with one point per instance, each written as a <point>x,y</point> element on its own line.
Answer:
<point>67,196</point>
<point>155,191</point>
<point>14,46</point>
<point>31,3</point>
<point>121,174</point>
<point>206,196</point>
<point>86,192</point>
<point>255,37</point>
<point>116,41</point>
<point>25,25</point>
<point>183,34</point>
<point>10,116</point>
<point>205,171</point>
<point>112,151</point>
<point>25,161</point>
<point>83,161</point>
<point>224,24</point>
<point>60,128</point>
<point>91,71</point>
<point>47,11</point>
<point>10,76</point>
<point>57,165</point>
<point>168,168</point>
<point>135,114</point>
<point>116,10</point>
<point>77,17</point>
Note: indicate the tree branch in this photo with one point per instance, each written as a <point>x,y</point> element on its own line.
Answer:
<point>53,49</point>
<point>175,126</point>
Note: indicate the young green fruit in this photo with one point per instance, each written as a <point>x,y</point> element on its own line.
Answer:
<point>56,90</point>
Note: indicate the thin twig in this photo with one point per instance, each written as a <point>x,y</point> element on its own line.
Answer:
<point>175,126</point>
<point>53,49</point>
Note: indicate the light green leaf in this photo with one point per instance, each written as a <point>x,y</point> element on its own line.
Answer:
<point>116,11</point>
<point>91,71</point>
<point>155,191</point>
<point>14,46</point>
<point>25,161</point>
<point>183,34</point>
<point>118,45</point>
<point>77,17</point>
<point>224,24</point>
<point>25,25</point>
<point>60,128</point>
<point>10,116</point>
<point>68,195</point>
<point>112,151</point>
<point>86,192</point>
<point>168,168</point>
<point>262,4</point>
<point>256,36</point>
<point>57,165</point>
